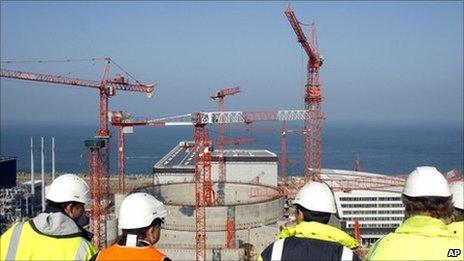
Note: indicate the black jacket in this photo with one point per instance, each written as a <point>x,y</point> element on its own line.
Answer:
<point>297,248</point>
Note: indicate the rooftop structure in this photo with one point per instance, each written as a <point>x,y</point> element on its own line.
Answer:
<point>18,204</point>
<point>255,166</point>
<point>378,211</point>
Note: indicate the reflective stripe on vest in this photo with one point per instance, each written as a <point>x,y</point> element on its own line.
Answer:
<point>277,250</point>
<point>117,252</point>
<point>14,242</point>
<point>81,250</point>
<point>347,254</point>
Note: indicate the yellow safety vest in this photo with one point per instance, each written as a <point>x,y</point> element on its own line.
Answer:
<point>22,242</point>
<point>320,231</point>
<point>457,228</point>
<point>418,238</point>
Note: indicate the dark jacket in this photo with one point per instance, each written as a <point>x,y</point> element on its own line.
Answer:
<point>295,248</point>
<point>311,241</point>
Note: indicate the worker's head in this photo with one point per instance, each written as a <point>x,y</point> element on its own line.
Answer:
<point>140,218</point>
<point>426,193</point>
<point>457,189</point>
<point>68,194</point>
<point>250,251</point>
<point>314,202</point>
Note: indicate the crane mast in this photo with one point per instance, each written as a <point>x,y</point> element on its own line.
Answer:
<point>219,97</point>
<point>203,185</point>
<point>313,99</point>
<point>99,148</point>
<point>204,194</point>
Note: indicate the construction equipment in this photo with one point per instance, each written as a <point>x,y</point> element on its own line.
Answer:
<point>203,185</point>
<point>357,163</point>
<point>220,146</point>
<point>313,99</point>
<point>204,194</point>
<point>357,231</point>
<point>125,124</point>
<point>96,211</point>
<point>357,235</point>
<point>107,88</point>
<point>283,160</point>
<point>219,97</point>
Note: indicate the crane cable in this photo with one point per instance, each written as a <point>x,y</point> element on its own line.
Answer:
<point>72,60</point>
<point>52,61</point>
<point>127,73</point>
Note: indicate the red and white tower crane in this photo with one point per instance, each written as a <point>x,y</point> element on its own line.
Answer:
<point>219,97</point>
<point>283,160</point>
<point>357,163</point>
<point>203,186</point>
<point>125,124</point>
<point>204,194</point>
<point>313,99</point>
<point>99,157</point>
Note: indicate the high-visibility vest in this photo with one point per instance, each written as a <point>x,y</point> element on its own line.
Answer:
<point>457,228</point>
<point>311,241</point>
<point>316,230</point>
<point>418,238</point>
<point>117,252</point>
<point>23,242</point>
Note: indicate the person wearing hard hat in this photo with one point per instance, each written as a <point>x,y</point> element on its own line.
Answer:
<point>140,218</point>
<point>423,235</point>
<point>311,238</point>
<point>457,227</point>
<point>55,234</point>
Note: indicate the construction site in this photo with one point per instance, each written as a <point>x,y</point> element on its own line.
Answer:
<point>224,203</point>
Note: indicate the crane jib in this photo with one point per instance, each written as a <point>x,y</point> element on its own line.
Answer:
<point>39,77</point>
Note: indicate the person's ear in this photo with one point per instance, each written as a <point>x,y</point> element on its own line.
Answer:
<point>152,230</point>
<point>68,208</point>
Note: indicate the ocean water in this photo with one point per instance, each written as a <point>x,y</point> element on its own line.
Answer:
<point>383,149</point>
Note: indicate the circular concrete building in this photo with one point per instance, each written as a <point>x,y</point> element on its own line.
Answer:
<point>254,209</point>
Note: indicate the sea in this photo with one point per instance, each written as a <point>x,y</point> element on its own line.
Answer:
<point>385,149</point>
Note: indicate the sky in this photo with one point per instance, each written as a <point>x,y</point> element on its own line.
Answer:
<point>385,62</point>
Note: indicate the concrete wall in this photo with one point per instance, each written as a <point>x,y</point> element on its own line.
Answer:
<point>181,244</point>
<point>245,172</point>
<point>111,230</point>
<point>167,178</point>
<point>257,209</point>
<point>211,254</point>
<point>254,206</point>
<point>235,193</point>
<point>246,216</point>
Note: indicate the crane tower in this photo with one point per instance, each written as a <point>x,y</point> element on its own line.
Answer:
<point>99,147</point>
<point>313,99</point>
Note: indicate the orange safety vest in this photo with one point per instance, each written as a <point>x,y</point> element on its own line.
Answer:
<point>117,252</point>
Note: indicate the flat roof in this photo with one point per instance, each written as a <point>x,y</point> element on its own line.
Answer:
<point>180,158</point>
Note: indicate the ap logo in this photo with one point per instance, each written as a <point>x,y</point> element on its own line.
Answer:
<point>454,252</point>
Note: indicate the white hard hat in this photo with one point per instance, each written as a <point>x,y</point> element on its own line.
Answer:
<point>68,187</point>
<point>316,196</point>
<point>138,210</point>
<point>457,189</point>
<point>426,182</point>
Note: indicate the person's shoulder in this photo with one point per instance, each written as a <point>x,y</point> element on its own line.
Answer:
<point>312,241</point>
<point>267,252</point>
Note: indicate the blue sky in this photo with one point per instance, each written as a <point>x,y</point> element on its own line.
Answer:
<point>388,62</point>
